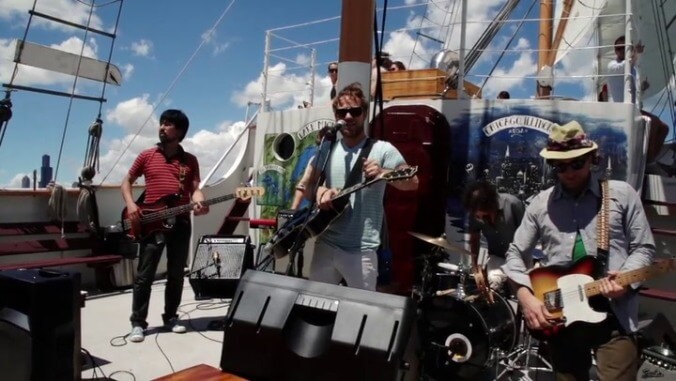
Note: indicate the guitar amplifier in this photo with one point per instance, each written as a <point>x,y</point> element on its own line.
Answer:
<point>659,363</point>
<point>219,263</point>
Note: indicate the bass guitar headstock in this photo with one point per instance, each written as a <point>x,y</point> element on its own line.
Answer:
<point>248,192</point>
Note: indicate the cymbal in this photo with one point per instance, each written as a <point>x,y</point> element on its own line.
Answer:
<point>441,242</point>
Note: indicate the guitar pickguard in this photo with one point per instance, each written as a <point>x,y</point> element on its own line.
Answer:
<point>575,303</point>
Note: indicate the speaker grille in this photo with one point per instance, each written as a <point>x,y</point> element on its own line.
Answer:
<point>219,257</point>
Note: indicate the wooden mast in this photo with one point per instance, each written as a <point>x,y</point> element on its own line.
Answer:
<point>545,45</point>
<point>356,44</point>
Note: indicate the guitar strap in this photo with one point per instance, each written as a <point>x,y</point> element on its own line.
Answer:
<point>355,174</point>
<point>602,227</point>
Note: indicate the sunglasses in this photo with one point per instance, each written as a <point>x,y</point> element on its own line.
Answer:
<point>333,70</point>
<point>575,165</point>
<point>354,111</point>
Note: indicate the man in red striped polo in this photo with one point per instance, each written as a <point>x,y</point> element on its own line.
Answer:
<point>168,171</point>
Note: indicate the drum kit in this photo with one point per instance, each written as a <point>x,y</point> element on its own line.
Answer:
<point>465,328</point>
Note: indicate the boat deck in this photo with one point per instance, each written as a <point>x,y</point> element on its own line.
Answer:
<point>105,322</point>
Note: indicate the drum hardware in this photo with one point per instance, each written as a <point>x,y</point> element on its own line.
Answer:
<point>441,242</point>
<point>464,337</point>
<point>522,356</point>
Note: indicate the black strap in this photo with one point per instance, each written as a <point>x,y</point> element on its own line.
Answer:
<point>355,174</point>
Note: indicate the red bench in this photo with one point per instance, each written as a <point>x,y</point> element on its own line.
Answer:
<point>44,244</point>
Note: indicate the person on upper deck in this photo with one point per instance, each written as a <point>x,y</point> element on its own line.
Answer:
<point>168,170</point>
<point>397,66</point>
<point>564,220</point>
<point>616,71</point>
<point>503,95</point>
<point>333,74</point>
<point>615,86</point>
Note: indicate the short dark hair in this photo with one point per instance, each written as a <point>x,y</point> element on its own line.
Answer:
<point>480,195</point>
<point>178,119</point>
<point>503,95</point>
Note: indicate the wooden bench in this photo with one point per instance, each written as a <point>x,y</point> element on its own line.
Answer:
<point>44,244</point>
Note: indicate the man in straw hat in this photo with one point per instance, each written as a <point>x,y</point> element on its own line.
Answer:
<point>563,219</point>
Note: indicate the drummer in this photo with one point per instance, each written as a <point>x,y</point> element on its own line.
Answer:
<point>495,216</point>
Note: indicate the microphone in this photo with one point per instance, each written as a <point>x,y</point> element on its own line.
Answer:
<point>331,131</point>
<point>338,126</point>
<point>217,262</point>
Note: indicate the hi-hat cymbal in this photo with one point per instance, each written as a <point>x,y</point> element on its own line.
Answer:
<point>441,242</point>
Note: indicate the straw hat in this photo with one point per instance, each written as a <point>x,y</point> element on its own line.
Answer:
<point>567,142</point>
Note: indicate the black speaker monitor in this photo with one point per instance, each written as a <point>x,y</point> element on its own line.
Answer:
<point>38,325</point>
<point>218,265</point>
<point>284,328</point>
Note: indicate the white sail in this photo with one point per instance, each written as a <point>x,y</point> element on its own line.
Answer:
<point>583,16</point>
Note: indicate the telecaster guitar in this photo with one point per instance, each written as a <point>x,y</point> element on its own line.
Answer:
<point>565,290</point>
<point>310,222</point>
<point>158,216</point>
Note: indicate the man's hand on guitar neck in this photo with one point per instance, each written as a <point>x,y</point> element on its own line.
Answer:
<point>534,311</point>
<point>610,288</point>
<point>199,208</point>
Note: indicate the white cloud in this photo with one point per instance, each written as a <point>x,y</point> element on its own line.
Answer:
<point>15,182</point>
<point>127,71</point>
<point>73,11</point>
<point>142,47</point>
<point>210,38</point>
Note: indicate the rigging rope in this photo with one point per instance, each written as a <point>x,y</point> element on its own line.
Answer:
<point>72,92</point>
<point>169,89</point>
<point>57,206</point>
<point>6,104</point>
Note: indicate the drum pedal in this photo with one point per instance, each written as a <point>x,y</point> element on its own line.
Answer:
<point>526,353</point>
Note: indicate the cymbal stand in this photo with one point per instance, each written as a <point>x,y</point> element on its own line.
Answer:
<point>521,357</point>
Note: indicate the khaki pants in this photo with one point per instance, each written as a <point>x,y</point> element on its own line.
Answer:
<point>616,353</point>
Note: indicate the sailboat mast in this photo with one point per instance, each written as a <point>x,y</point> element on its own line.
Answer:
<point>356,44</point>
<point>544,88</point>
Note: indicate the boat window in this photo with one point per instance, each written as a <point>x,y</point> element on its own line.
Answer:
<point>284,146</point>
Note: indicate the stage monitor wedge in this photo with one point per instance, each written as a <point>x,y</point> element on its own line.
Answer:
<point>218,265</point>
<point>284,328</point>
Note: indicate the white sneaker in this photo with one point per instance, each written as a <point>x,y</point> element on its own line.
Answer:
<point>174,326</point>
<point>136,335</point>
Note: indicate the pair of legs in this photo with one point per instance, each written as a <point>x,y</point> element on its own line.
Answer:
<point>177,243</point>
<point>330,265</point>
<point>616,353</point>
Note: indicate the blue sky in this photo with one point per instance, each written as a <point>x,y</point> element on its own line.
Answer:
<point>156,40</point>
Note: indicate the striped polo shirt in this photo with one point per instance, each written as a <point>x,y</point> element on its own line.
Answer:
<point>358,228</point>
<point>162,174</point>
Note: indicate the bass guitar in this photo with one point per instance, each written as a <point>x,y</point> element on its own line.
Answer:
<point>159,216</point>
<point>310,222</point>
<point>566,291</point>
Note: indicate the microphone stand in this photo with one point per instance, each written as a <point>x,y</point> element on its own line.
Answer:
<point>323,155</point>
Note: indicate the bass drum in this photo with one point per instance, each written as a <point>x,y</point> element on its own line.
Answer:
<point>459,336</point>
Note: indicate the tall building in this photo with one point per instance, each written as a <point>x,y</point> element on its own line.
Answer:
<point>45,172</point>
<point>26,182</point>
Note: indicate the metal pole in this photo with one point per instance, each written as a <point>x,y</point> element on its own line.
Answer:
<point>313,69</point>
<point>463,34</point>
<point>628,51</point>
<point>266,63</point>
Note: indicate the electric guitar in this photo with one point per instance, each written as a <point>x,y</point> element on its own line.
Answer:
<point>310,222</point>
<point>158,216</point>
<point>566,290</point>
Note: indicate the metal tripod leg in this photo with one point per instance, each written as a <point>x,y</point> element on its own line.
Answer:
<point>514,361</point>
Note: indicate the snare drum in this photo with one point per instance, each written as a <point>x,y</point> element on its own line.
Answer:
<point>458,336</point>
